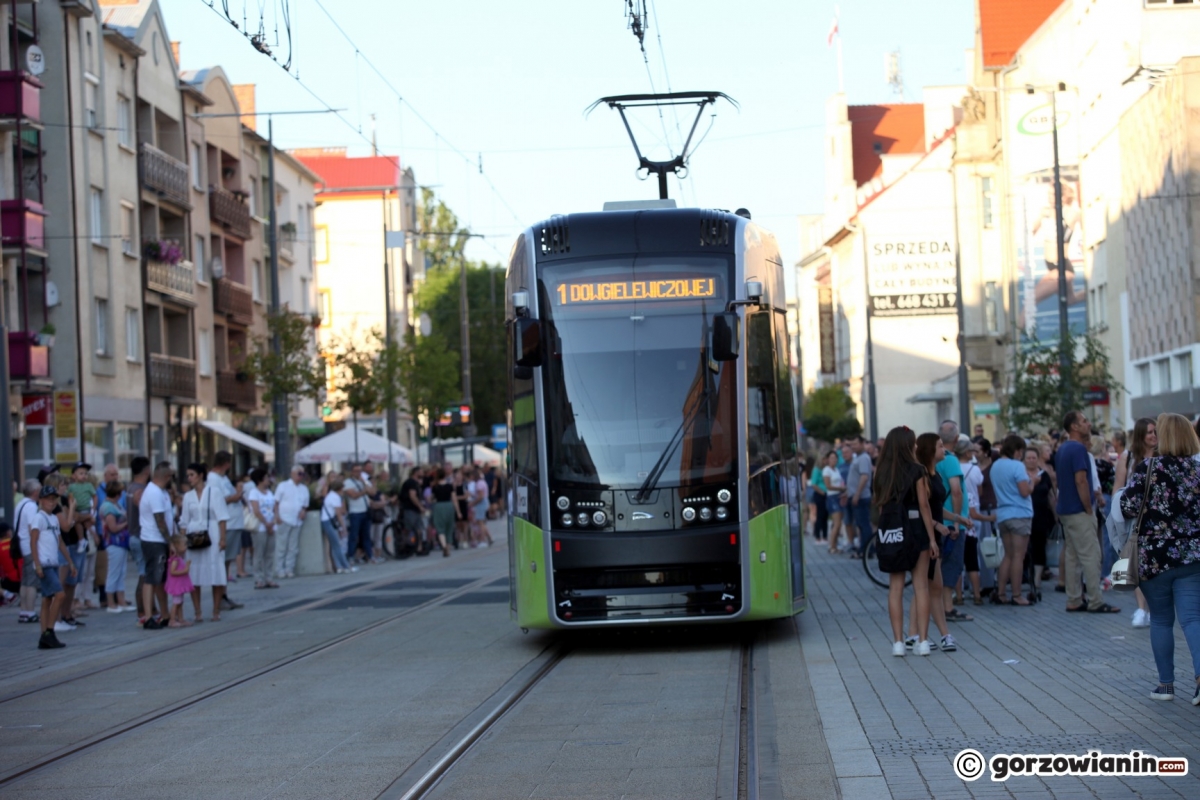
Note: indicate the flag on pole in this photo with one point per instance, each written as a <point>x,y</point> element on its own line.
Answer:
<point>833,31</point>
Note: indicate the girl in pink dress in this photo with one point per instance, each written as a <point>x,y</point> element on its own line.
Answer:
<point>179,583</point>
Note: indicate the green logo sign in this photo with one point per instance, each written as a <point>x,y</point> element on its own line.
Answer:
<point>1039,121</point>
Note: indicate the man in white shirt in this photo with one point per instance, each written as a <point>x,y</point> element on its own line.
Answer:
<point>231,496</point>
<point>157,524</point>
<point>47,551</point>
<point>357,489</point>
<point>24,514</point>
<point>292,498</point>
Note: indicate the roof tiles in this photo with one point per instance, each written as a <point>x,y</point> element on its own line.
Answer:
<point>1005,25</point>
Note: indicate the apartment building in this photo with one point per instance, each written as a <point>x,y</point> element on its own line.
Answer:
<point>365,248</point>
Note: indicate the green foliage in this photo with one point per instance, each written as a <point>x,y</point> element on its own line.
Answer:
<point>1040,397</point>
<point>294,368</point>
<point>443,239</point>
<point>361,372</point>
<point>427,371</point>
<point>829,414</point>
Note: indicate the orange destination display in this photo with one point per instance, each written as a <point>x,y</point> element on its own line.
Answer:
<point>572,292</point>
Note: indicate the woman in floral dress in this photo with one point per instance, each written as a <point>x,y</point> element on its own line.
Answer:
<point>1168,557</point>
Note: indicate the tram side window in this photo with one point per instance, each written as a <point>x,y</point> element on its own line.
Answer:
<point>525,472</point>
<point>762,414</point>
<point>787,405</point>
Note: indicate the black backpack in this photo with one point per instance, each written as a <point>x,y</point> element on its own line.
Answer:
<point>901,532</point>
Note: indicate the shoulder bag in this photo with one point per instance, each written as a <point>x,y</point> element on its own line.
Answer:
<point>1125,569</point>
<point>200,540</point>
<point>991,548</point>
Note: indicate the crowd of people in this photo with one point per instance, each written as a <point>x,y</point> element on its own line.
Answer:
<point>208,529</point>
<point>969,521</point>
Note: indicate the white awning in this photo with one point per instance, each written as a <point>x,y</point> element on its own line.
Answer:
<point>244,439</point>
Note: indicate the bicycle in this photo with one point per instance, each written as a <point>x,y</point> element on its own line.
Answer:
<point>871,564</point>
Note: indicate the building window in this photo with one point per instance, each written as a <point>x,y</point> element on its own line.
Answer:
<point>127,229</point>
<point>1162,370</point>
<point>321,244</point>
<point>101,326</point>
<point>257,280</point>
<point>129,446</point>
<point>988,202</point>
<point>96,214</point>
<point>325,307</point>
<point>204,344</point>
<point>992,307</point>
<point>197,167</point>
<point>304,295</point>
<point>1143,380</point>
<point>91,116</point>
<point>97,446</point>
<point>124,121</point>
<point>1169,3</point>
<point>198,259</point>
<point>133,335</point>
<point>1183,370</point>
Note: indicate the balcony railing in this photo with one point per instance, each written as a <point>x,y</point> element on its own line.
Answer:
<point>237,390</point>
<point>166,175</point>
<point>27,357</point>
<point>175,280</point>
<point>23,222</point>
<point>234,301</point>
<point>171,376</point>
<point>20,96</point>
<point>225,208</point>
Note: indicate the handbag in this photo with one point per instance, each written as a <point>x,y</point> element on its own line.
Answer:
<point>1054,545</point>
<point>201,540</point>
<point>1125,570</point>
<point>991,549</point>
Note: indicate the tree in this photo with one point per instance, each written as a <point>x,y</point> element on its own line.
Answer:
<point>427,372</point>
<point>294,369</point>
<point>829,413</point>
<point>359,382</point>
<point>1039,397</point>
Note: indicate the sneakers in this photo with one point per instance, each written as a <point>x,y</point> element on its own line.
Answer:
<point>910,641</point>
<point>26,619</point>
<point>898,649</point>
<point>115,609</point>
<point>74,623</point>
<point>1141,619</point>
<point>923,648</point>
<point>49,641</point>
<point>1165,692</point>
<point>62,626</point>
<point>948,644</point>
<point>1196,696</point>
<point>151,624</point>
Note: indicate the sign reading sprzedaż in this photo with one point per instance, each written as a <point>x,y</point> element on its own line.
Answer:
<point>911,276</point>
<point>572,292</point>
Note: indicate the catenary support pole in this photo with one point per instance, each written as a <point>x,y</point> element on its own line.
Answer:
<point>389,337</point>
<point>1064,357</point>
<point>964,399</point>
<point>279,402</point>
<point>464,311</point>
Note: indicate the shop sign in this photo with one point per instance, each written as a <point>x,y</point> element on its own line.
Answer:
<point>825,329</point>
<point>66,427</point>
<point>35,410</point>
<point>911,276</point>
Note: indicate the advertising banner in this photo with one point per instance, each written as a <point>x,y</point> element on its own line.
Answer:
<point>1031,193</point>
<point>911,276</point>
<point>825,329</point>
<point>66,427</point>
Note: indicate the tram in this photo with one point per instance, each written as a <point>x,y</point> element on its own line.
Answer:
<point>653,437</point>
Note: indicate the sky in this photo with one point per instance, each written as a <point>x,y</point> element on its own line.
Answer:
<point>503,87</point>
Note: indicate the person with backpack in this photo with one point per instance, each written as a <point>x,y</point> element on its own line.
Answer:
<point>907,540</point>
<point>23,515</point>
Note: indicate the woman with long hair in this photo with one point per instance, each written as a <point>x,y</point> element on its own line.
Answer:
<point>834,486</point>
<point>205,512</point>
<point>821,519</point>
<point>930,452</point>
<point>1143,444</point>
<point>1044,499</point>
<point>901,482</point>
<point>1167,557</point>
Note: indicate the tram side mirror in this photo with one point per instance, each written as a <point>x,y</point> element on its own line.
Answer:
<point>725,337</point>
<point>527,342</point>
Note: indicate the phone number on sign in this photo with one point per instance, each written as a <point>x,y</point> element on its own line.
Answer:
<point>907,305</point>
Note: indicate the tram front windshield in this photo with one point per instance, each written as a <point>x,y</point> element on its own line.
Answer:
<point>633,397</point>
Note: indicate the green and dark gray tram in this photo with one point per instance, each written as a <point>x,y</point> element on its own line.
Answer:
<point>654,456</point>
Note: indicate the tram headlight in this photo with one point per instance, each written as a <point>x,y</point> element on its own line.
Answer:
<point>567,520</point>
<point>723,496</point>
<point>582,519</point>
<point>563,502</point>
<point>599,518</point>
<point>688,514</point>
<point>722,513</point>
<point>705,514</point>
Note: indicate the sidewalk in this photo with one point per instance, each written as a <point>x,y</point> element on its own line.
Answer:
<point>1080,682</point>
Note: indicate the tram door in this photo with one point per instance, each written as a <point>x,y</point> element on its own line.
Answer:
<point>791,454</point>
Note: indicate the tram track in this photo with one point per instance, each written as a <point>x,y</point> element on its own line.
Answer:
<point>120,661</point>
<point>22,772</point>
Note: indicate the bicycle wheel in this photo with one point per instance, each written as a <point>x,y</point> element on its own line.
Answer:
<point>871,565</point>
<point>389,539</point>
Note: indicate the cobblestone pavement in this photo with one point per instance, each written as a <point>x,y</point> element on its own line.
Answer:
<point>1074,683</point>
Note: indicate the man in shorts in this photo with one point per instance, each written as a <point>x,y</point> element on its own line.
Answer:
<point>47,551</point>
<point>157,524</point>
<point>25,514</point>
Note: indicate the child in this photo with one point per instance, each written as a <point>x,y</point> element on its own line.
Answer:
<point>179,583</point>
<point>83,489</point>
<point>10,564</point>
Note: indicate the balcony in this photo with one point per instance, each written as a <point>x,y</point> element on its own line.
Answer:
<point>226,209</point>
<point>237,390</point>
<point>171,376</point>
<point>27,357</point>
<point>20,97</point>
<point>234,301</point>
<point>23,224</point>
<point>177,281</point>
<point>165,175</point>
